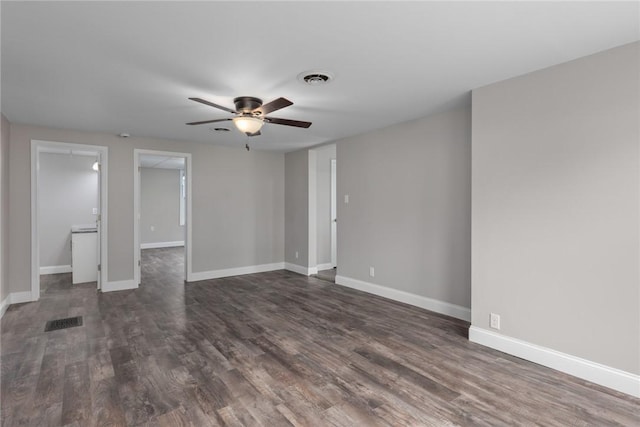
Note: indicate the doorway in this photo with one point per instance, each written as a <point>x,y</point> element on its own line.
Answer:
<point>322,212</point>
<point>68,207</point>
<point>162,213</point>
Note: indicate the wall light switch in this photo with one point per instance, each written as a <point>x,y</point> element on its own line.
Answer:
<point>346,198</point>
<point>297,254</point>
<point>152,228</point>
<point>372,272</point>
<point>94,211</point>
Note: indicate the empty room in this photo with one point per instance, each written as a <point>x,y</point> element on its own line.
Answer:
<point>340,213</point>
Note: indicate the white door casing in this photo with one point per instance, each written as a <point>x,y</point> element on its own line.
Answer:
<point>334,220</point>
<point>101,152</point>
<point>188,273</point>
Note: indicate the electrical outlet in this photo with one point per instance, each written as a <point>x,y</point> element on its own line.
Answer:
<point>494,321</point>
<point>297,254</point>
<point>372,272</point>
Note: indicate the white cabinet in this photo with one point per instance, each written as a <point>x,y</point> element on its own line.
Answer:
<point>84,254</point>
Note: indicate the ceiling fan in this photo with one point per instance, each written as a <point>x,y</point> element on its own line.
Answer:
<point>251,114</point>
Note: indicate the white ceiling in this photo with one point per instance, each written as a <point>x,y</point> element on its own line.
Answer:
<point>130,66</point>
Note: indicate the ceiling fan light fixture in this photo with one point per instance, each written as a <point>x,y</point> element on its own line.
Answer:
<point>248,124</point>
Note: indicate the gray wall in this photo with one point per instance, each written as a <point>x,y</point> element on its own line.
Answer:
<point>297,207</point>
<point>238,202</point>
<point>556,207</point>
<point>409,210</point>
<point>160,206</point>
<point>67,192</point>
<point>4,210</point>
<point>323,203</point>
<point>238,207</point>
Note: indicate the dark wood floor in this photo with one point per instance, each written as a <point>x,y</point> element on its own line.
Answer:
<point>270,349</point>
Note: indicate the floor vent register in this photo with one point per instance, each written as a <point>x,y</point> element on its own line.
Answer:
<point>69,322</point>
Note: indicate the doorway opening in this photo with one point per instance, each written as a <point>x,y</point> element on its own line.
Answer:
<point>162,214</point>
<point>323,212</point>
<point>68,216</point>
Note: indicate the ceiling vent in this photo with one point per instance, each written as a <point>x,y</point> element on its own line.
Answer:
<point>315,78</point>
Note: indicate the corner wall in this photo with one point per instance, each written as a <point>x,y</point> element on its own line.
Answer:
<point>556,214</point>
<point>408,215</point>
<point>296,233</point>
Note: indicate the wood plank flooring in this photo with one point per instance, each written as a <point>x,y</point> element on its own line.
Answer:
<point>270,349</point>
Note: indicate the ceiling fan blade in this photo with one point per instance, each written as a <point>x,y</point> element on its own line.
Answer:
<point>254,134</point>
<point>207,121</point>
<point>273,106</point>
<point>211,104</point>
<point>287,122</point>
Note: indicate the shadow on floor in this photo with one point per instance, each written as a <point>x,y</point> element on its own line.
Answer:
<point>328,275</point>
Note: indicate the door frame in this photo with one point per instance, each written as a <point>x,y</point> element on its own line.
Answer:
<point>334,213</point>
<point>188,269</point>
<point>37,147</point>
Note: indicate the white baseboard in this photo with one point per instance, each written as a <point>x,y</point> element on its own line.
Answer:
<point>120,285</point>
<point>441,307</point>
<point>237,271</point>
<point>20,297</point>
<point>616,379</point>
<point>162,245</point>
<point>14,298</point>
<point>306,271</point>
<point>326,266</point>
<point>4,305</point>
<point>55,269</point>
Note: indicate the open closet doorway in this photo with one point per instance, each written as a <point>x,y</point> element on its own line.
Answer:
<point>325,211</point>
<point>162,215</point>
<point>68,216</point>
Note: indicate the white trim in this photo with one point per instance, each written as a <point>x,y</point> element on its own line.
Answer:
<point>20,297</point>
<point>55,269</point>
<point>238,271</point>
<point>441,307</point>
<point>188,265</point>
<point>325,266</point>
<point>162,245</point>
<point>616,379</point>
<point>15,298</point>
<point>119,285</point>
<point>333,203</point>
<point>4,305</point>
<point>306,271</point>
<point>38,146</point>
